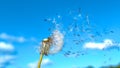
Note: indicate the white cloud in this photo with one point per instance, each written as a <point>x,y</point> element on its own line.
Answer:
<point>75,67</point>
<point>6,46</point>
<point>6,60</point>
<point>12,38</point>
<point>45,62</point>
<point>32,65</point>
<point>6,54</point>
<point>105,44</point>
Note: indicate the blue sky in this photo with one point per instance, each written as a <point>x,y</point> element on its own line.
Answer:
<point>22,28</point>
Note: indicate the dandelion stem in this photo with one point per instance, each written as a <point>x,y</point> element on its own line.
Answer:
<point>40,61</point>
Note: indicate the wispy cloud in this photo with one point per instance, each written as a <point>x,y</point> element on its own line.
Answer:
<point>105,44</point>
<point>32,65</point>
<point>45,62</point>
<point>5,36</point>
<point>7,54</point>
<point>6,60</point>
<point>19,39</point>
<point>75,66</point>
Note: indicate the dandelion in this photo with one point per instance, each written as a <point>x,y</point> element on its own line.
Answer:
<point>51,45</point>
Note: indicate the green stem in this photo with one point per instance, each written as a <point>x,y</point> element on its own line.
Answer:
<point>40,61</point>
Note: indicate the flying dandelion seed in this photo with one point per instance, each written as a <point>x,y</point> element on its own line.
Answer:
<point>78,32</point>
